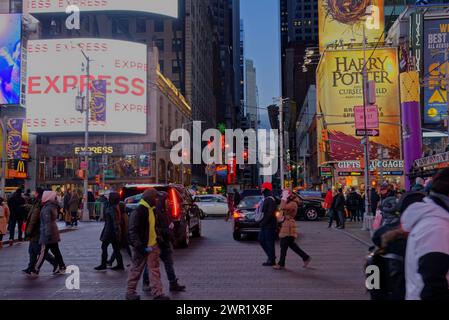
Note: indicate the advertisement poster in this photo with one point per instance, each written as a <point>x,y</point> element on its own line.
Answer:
<point>342,21</point>
<point>10,61</point>
<point>55,77</point>
<point>98,101</point>
<point>340,81</point>
<point>14,147</point>
<point>436,40</point>
<point>165,7</point>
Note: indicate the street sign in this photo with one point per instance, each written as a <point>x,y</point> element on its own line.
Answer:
<point>372,117</point>
<point>370,133</point>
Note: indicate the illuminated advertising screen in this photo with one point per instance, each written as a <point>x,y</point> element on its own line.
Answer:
<point>339,78</point>
<point>342,21</point>
<point>10,61</point>
<point>436,41</point>
<point>163,7</point>
<point>57,74</point>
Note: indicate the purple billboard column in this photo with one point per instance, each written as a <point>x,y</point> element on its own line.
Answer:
<point>411,121</point>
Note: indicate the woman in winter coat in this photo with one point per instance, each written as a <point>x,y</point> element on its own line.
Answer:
<point>111,233</point>
<point>288,233</point>
<point>4,219</point>
<point>74,205</point>
<point>49,232</point>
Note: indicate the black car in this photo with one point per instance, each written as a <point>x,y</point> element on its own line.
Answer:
<point>185,214</point>
<point>243,217</point>
<point>310,208</point>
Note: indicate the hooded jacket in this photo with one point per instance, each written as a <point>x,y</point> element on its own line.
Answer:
<point>49,232</point>
<point>427,254</point>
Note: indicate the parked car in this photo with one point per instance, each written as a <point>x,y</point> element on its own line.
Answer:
<point>310,208</point>
<point>184,212</point>
<point>212,204</point>
<point>243,217</point>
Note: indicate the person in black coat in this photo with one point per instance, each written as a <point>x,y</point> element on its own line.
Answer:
<point>237,197</point>
<point>16,204</point>
<point>374,199</point>
<point>268,224</point>
<point>111,233</point>
<point>338,208</point>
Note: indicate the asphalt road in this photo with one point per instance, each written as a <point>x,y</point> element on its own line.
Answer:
<point>213,267</point>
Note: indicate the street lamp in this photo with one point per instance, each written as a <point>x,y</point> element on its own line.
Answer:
<point>82,105</point>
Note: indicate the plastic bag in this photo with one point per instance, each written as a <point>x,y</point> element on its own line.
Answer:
<point>377,220</point>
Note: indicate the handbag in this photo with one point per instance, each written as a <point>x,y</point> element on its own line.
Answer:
<point>377,220</point>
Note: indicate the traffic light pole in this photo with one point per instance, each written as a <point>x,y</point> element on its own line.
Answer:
<point>86,142</point>
<point>281,140</point>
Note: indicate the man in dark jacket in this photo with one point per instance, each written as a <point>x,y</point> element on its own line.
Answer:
<point>17,208</point>
<point>111,233</point>
<point>338,207</point>
<point>143,236</point>
<point>268,224</point>
<point>374,200</point>
<point>353,204</point>
<point>33,233</point>
<point>164,240</point>
<point>237,197</point>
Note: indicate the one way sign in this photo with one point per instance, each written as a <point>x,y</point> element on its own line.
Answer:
<point>370,133</point>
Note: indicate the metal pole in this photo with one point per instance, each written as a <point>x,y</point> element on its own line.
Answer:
<point>381,165</point>
<point>366,144</point>
<point>105,158</point>
<point>86,144</point>
<point>281,140</point>
<point>4,155</point>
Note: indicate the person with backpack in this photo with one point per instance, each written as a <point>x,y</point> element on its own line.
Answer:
<point>164,240</point>
<point>111,233</point>
<point>268,223</point>
<point>353,204</point>
<point>427,254</point>
<point>391,242</point>
<point>288,233</point>
<point>4,219</point>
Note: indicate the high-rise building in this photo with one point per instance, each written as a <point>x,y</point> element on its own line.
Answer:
<point>241,72</point>
<point>299,30</point>
<point>251,106</point>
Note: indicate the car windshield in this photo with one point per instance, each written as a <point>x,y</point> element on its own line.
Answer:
<point>249,202</point>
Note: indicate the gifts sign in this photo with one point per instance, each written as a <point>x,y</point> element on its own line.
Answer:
<point>98,101</point>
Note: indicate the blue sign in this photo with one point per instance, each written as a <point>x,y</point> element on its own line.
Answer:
<point>436,41</point>
<point>10,58</point>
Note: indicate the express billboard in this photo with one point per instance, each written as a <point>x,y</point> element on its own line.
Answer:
<point>339,78</point>
<point>55,77</point>
<point>165,7</point>
<point>10,58</point>
<point>343,21</point>
<point>436,41</point>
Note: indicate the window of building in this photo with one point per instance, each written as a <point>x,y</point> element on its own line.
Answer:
<point>159,25</point>
<point>141,25</point>
<point>161,66</point>
<point>175,66</point>
<point>176,44</point>
<point>15,6</point>
<point>159,43</point>
<point>120,26</point>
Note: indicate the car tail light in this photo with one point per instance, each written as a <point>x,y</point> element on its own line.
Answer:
<point>175,205</point>
<point>237,215</point>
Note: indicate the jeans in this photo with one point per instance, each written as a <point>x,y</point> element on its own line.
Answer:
<point>54,248</point>
<point>267,238</point>
<point>117,254</point>
<point>167,258</point>
<point>354,214</point>
<point>333,216</point>
<point>289,242</point>
<point>12,227</point>
<point>139,261</point>
<point>342,218</point>
<point>34,250</point>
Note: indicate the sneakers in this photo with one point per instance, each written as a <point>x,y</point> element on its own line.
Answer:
<point>268,264</point>
<point>59,270</point>
<point>109,263</point>
<point>132,297</point>
<point>176,287</point>
<point>278,267</point>
<point>161,297</point>
<point>101,267</point>
<point>307,262</point>
<point>11,242</point>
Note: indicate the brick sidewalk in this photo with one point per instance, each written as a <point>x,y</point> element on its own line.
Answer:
<point>214,267</point>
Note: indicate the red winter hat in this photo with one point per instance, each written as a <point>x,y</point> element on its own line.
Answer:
<point>267,185</point>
